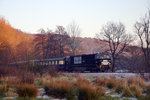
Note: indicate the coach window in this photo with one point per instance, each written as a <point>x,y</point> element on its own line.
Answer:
<point>46,63</point>
<point>49,63</point>
<point>61,62</point>
<point>52,62</point>
<point>56,62</point>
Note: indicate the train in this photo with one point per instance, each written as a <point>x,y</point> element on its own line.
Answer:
<point>99,62</point>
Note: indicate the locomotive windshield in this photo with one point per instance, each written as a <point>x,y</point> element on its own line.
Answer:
<point>102,56</point>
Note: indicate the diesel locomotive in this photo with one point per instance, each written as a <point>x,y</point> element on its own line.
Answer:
<point>86,62</point>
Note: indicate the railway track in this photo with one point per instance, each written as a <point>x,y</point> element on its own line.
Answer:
<point>127,75</point>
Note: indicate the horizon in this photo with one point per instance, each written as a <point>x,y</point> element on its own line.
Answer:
<point>30,16</point>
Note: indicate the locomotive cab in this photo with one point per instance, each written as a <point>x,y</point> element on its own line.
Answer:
<point>103,61</point>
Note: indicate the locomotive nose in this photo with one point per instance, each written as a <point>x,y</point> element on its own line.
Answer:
<point>105,64</point>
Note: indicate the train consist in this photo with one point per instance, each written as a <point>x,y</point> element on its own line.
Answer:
<point>90,62</point>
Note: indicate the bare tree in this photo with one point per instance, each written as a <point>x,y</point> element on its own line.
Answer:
<point>63,39</point>
<point>40,44</point>
<point>135,60</point>
<point>74,32</point>
<point>117,39</point>
<point>142,28</point>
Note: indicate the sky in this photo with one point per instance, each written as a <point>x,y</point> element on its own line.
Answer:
<point>31,15</point>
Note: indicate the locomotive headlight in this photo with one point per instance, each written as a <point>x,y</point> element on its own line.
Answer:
<point>109,65</point>
<point>105,62</point>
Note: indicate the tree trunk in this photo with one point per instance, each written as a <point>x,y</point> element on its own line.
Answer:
<point>113,64</point>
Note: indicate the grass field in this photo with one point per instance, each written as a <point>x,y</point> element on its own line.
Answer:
<point>74,87</point>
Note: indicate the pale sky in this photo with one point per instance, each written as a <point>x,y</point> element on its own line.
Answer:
<point>90,15</point>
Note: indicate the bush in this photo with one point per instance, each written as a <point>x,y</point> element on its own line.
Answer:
<point>137,91</point>
<point>58,89</point>
<point>107,81</point>
<point>110,85</point>
<point>100,82</point>
<point>26,78</point>
<point>27,90</point>
<point>89,92</point>
<point>127,92</point>
<point>71,94</point>
<point>138,81</point>
<point>119,89</point>
<point>8,71</point>
<point>81,80</point>
<point>144,98</point>
<point>148,89</point>
<point>3,89</point>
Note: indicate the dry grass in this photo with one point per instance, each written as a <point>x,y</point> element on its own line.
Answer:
<point>119,89</point>
<point>137,91</point>
<point>46,80</point>
<point>108,82</point>
<point>138,81</point>
<point>127,92</point>
<point>100,81</point>
<point>71,86</point>
<point>11,81</point>
<point>82,80</point>
<point>127,86</point>
<point>26,90</point>
<point>26,77</point>
<point>3,89</point>
<point>133,87</point>
<point>58,88</point>
<point>90,92</point>
<point>80,87</point>
<point>8,71</point>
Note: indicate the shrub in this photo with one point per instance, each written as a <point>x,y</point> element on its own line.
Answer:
<point>58,89</point>
<point>71,94</point>
<point>107,81</point>
<point>119,89</point>
<point>3,89</point>
<point>137,91</point>
<point>148,89</point>
<point>89,92</point>
<point>8,71</point>
<point>127,92</point>
<point>138,81</point>
<point>81,80</point>
<point>52,70</point>
<point>45,80</point>
<point>110,85</point>
<point>100,82</point>
<point>27,90</point>
<point>27,77</point>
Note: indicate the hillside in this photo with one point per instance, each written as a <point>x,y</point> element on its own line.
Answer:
<point>93,45</point>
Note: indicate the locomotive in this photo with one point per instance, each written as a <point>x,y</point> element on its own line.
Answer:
<point>86,62</point>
